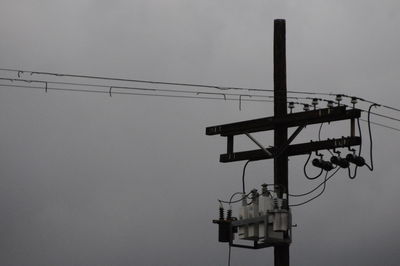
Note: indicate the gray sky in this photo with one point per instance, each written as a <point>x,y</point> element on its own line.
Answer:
<point>88,179</point>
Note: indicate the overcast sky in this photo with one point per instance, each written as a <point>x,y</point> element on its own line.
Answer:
<point>88,179</point>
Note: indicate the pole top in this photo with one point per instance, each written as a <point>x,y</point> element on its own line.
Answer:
<point>279,20</point>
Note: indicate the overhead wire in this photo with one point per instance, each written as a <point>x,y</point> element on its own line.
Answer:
<point>305,170</point>
<point>132,93</point>
<point>319,194</point>
<point>243,176</point>
<point>132,88</point>
<point>46,82</point>
<point>20,72</point>
<point>370,167</point>
<point>359,152</point>
<point>314,189</point>
<point>159,95</point>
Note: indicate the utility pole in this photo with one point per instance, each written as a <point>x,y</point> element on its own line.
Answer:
<point>281,252</point>
<point>268,228</point>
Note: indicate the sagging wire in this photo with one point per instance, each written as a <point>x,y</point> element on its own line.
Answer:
<point>359,152</point>
<point>319,194</point>
<point>314,189</point>
<point>370,167</point>
<point>305,170</point>
<point>319,137</point>
<point>243,176</point>
<point>244,196</point>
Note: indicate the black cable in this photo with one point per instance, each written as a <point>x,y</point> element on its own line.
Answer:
<point>359,152</point>
<point>235,201</point>
<point>19,71</point>
<point>131,93</point>
<point>243,176</point>
<point>355,172</point>
<point>182,84</point>
<point>305,171</point>
<point>134,88</point>
<point>159,95</point>
<point>374,103</point>
<point>319,137</point>
<point>323,190</point>
<point>370,167</point>
<point>229,255</point>
<point>381,125</point>
<point>132,80</point>
<point>314,189</point>
<point>319,131</point>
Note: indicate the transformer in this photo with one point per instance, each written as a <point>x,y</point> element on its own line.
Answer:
<point>264,222</point>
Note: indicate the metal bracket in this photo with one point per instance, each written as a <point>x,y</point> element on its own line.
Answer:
<point>258,144</point>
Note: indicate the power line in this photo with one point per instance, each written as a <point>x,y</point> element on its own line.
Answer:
<point>151,94</point>
<point>110,87</point>
<point>132,93</point>
<point>45,83</point>
<point>20,72</point>
<point>381,125</point>
<point>130,80</point>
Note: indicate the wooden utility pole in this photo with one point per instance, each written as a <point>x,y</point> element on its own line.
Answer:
<point>280,152</point>
<point>281,252</point>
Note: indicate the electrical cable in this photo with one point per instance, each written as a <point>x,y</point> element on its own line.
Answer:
<point>319,194</point>
<point>19,72</point>
<point>235,201</point>
<point>374,103</point>
<point>131,80</point>
<point>370,167</point>
<point>359,152</point>
<point>133,88</point>
<point>174,96</point>
<point>305,171</point>
<point>229,255</point>
<point>131,93</point>
<point>381,125</point>
<point>314,189</point>
<point>319,137</point>
<point>243,176</point>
